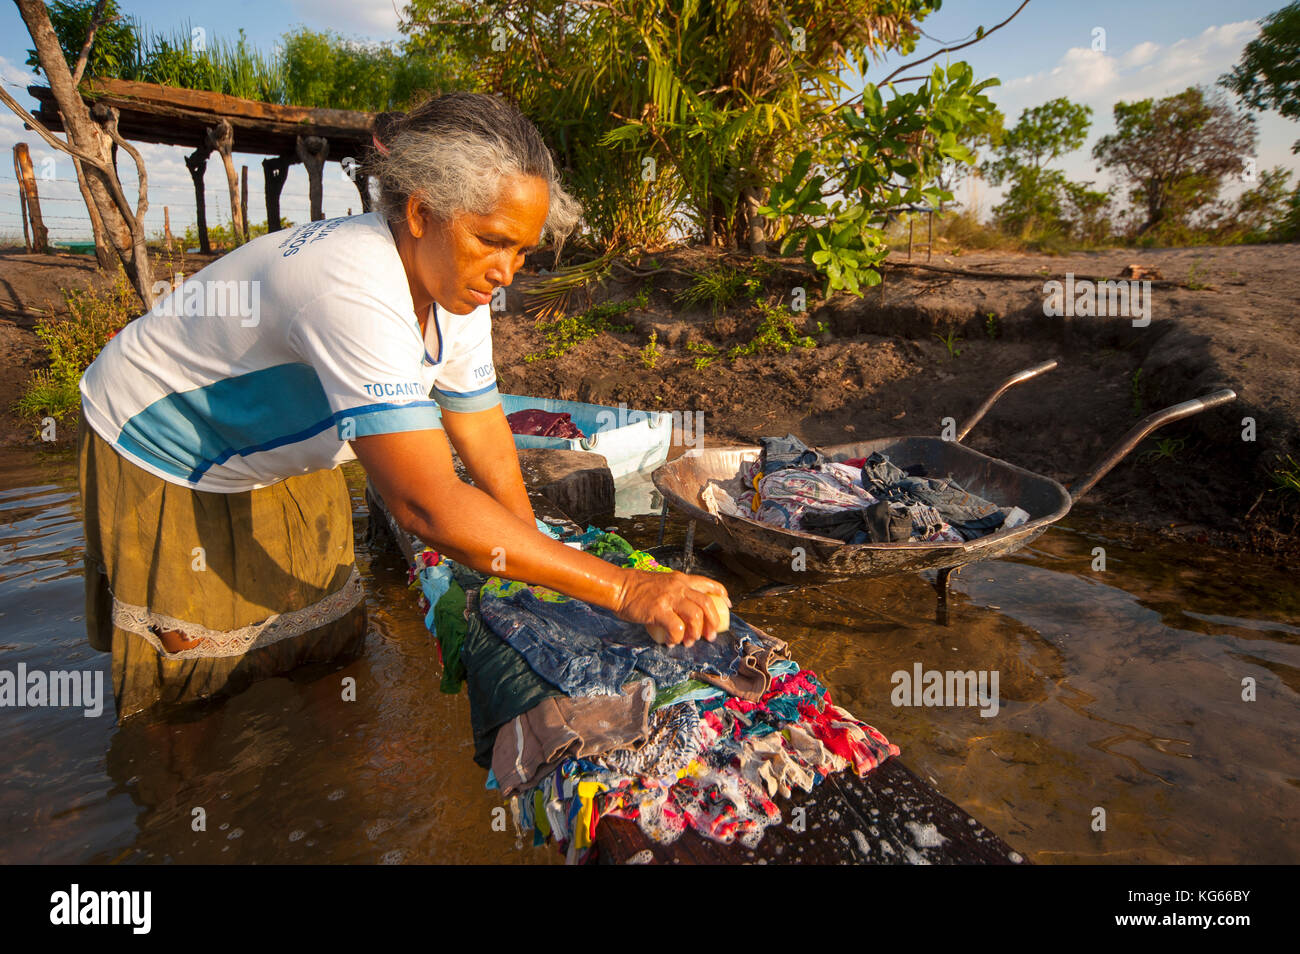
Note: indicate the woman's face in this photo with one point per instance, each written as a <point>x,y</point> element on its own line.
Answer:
<point>459,263</point>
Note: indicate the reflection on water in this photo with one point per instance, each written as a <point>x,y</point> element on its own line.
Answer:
<point>1120,690</point>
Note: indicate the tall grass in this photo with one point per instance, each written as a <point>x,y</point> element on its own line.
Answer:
<point>307,68</point>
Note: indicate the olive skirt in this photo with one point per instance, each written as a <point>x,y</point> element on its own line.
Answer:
<point>260,582</point>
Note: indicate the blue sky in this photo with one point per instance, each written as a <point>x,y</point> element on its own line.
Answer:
<point>1151,48</point>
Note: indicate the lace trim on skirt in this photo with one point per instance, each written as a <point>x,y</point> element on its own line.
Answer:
<point>236,642</point>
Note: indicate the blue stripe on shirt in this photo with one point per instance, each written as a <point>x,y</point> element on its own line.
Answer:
<point>468,401</point>
<point>188,433</point>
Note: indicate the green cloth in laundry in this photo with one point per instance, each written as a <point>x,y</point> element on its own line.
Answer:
<point>501,683</point>
<point>450,625</point>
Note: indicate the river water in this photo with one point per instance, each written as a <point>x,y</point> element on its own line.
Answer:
<point>1121,734</point>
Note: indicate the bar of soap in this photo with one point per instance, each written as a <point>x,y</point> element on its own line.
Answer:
<point>660,634</point>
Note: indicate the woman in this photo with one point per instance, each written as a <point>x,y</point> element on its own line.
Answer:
<point>219,539</point>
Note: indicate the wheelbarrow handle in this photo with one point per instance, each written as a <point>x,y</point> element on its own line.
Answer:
<point>1140,430</point>
<point>1006,385</point>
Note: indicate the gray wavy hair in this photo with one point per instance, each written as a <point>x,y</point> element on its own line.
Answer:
<point>453,151</point>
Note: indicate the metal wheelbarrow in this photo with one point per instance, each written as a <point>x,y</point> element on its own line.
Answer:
<point>796,558</point>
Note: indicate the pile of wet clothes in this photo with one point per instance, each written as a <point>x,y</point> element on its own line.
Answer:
<point>863,500</point>
<point>537,423</point>
<point>581,716</point>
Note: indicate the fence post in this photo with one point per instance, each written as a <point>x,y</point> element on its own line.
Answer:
<point>197,163</point>
<point>167,227</point>
<point>31,201</point>
<point>243,199</point>
<point>274,170</point>
<point>312,152</point>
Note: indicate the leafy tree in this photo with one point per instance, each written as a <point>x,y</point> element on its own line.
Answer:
<point>653,104</point>
<point>1261,214</point>
<point>1268,76</point>
<point>117,40</point>
<point>1175,154</point>
<point>324,69</point>
<point>891,156</point>
<point>1037,197</point>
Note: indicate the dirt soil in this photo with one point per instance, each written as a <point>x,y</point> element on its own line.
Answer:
<point>1221,317</point>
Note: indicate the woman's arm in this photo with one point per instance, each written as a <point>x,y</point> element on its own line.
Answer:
<point>413,472</point>
<point>487,448</point>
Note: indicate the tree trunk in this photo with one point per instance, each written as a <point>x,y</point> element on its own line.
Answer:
<point>104,254</point>
<point>123,226</point>
<point>756,236</point>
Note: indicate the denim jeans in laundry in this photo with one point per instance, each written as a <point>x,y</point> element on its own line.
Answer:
<point>969,515</point>
<point>585,650</point>
<point>788,451</point>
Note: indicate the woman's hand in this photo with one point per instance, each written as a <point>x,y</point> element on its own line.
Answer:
<point>680,603</point>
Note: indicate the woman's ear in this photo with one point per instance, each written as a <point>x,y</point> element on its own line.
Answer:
<point>415,216</point>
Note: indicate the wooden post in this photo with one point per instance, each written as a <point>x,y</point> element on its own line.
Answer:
<point>197,163</point>
<point>313,151</point>
<point>27,186</point>
<point>910,224</point>
<point>929,247</point>
<point>274,172</point>
<point>362,182</point>
<point>243,198</point>
<point>167,227</point>
<point>221,138</point>
<point>22,204</point>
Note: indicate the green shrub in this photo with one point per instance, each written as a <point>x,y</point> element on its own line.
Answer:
<point>566,331</point>
<point>72,343</point>
<point>775,333</point>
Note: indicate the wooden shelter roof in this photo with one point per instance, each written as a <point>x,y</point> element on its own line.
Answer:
<point>179,117</point>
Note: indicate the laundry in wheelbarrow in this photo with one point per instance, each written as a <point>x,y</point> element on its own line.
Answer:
<point>970,515</point>
<point>537,423</point>
<point>787,496</point>
<point>788,451</point>
<point>879,523</point>
<point>793,487</point>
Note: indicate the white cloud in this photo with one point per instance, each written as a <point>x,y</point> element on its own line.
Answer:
<point>1140,54</point>
<point>372,19</point>
<point>1100,79</point>
<point>1146,70</point>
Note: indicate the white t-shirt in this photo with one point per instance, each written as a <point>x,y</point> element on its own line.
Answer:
<point>264,364</point>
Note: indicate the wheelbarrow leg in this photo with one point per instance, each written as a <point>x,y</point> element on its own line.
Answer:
<point>941,588</point>
<point>663,523</point>
<point>688,551</point>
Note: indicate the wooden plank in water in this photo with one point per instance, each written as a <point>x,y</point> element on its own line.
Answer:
<point>890,817</point>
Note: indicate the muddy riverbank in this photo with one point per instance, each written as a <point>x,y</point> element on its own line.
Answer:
<point>925,345</point>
